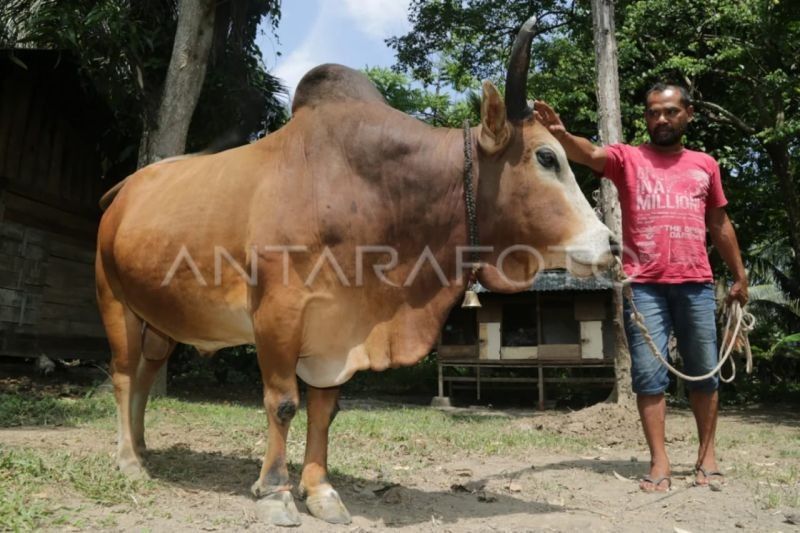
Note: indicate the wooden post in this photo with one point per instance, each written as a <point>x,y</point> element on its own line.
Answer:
<point>610,125</point>
<point>540,383</point>
<point>540,372</point>
<point>441,378</point>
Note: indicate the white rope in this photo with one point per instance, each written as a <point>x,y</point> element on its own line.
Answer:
<point>743,322</point>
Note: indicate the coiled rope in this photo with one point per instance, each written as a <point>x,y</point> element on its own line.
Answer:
<point>736,317</point>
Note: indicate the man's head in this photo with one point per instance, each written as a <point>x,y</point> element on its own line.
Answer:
<point>668,111</point>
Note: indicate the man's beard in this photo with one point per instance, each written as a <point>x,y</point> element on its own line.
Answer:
<point>666,135</point>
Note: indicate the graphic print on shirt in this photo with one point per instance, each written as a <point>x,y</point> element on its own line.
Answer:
<point>670,209</point>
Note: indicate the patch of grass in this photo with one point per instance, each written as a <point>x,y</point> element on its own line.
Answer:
<point>415,437</point>
<point>19,508</point>
<point>31,479</point>
<point>368,439</point>
<point>19,410</point>
<point>774,497</point>
<point>773,485</point>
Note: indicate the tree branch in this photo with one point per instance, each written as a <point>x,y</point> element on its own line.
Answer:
<point>725,116</point>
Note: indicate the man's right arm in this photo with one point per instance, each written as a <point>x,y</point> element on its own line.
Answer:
<point>578,149</point>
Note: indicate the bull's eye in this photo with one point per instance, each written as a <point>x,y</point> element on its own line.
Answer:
<point>547,158</point>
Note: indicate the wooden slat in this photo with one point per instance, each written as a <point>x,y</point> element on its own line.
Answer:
<point>7,102</point>
<point>77,296</point>
<point>72,329</point>
<point>30,153</point>
<point>74,252</point>
<point>32,251</point>
<point>446,351</point>
<point>18,118</point>
<point>17,315</point>
<point>65,274</point>
<point>14,343</point>
<point>56,159</point>
<point>25,211</point>
<point>590,306</point>
<point>519,352</point>
<point>18,272</point>
<point>12,297</point>
<point>44,144</point>
<point>10,231</point>
<point>68,311</point>
<point>560,351</point>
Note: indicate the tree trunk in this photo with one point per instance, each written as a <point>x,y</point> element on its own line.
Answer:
<point>185,76</point>
<point>184,81</point>
<point>779,155</point>
<point>610,126</point>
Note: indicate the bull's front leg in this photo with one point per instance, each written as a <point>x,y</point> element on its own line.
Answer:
<point>281,401</point>
<point>321,498</point>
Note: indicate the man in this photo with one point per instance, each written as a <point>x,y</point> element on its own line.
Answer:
<point>669,196</point>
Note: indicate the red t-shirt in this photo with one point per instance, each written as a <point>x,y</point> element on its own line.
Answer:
<point>664,200</point>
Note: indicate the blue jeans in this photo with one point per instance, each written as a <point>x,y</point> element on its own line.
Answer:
<point>688,309</point>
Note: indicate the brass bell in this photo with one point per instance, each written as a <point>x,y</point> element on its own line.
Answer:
<point>471,300</point>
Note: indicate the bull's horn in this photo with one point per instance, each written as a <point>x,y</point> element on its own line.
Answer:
<point>517,107</point>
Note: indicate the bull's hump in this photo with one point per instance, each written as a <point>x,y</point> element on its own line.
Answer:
<point>333,83</point>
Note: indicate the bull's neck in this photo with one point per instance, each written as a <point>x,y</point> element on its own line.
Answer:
<point>437,168</point>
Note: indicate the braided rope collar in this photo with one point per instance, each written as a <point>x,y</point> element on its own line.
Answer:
<point>469,203</point>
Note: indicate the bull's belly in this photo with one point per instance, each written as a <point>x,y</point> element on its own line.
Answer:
<point>208,320</point>
<point>208,329</point>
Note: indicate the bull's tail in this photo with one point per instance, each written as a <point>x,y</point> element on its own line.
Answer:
<point>110,194</point>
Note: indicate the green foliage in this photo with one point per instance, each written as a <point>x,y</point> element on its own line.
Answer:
<point>436,108</point>
<point>124,49</point>
<point>469,39</point>
<point>737,57</point>
<point>789,346</point>
<point>416,379</point>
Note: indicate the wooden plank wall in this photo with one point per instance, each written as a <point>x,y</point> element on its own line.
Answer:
<point>50,180</point>
<point>43,151</point>
<point>47,299</point>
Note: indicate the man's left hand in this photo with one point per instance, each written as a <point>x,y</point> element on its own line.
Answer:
<point>739,292</point>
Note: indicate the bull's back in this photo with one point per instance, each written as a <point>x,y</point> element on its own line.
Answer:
<point>170,240</point>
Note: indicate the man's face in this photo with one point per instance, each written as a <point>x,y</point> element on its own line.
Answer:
<point>666,117</point>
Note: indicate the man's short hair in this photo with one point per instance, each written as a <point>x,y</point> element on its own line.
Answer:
<point>660,87</point>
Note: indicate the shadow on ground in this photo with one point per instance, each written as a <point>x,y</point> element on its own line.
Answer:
<point>233,475</point>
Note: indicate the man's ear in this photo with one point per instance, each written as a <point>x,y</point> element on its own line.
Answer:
<point>495,129</point>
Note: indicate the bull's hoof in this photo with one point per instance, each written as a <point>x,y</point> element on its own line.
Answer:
<point>326,504</point>
<point>132,469</point>
<point>279,509</point>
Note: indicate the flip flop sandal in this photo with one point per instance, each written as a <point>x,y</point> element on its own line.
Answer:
<point>708,475</point>
<point>656,483</point>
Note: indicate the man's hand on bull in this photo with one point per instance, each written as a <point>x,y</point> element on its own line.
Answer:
<point>549,118</point>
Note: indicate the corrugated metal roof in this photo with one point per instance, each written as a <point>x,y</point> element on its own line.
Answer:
<point>561,280</point>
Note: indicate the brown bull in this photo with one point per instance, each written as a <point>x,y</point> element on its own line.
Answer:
<point>333,244</point>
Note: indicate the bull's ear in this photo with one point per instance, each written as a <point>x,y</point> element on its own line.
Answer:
<point>495,129</point>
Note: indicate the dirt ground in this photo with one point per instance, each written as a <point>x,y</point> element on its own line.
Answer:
<point>203,482</point>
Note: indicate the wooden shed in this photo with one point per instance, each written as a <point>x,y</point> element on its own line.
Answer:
<point>561,322</point>
<point>50,182</point>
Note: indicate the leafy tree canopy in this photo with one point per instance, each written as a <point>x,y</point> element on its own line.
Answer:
<point>124,49</point>
<point>738,58</point>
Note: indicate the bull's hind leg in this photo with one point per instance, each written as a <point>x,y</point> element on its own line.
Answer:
<point>156,349</point>
<point>131,374</point>
<point>321,498</point>
<point>123,329</point>
<point>277,364</point>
